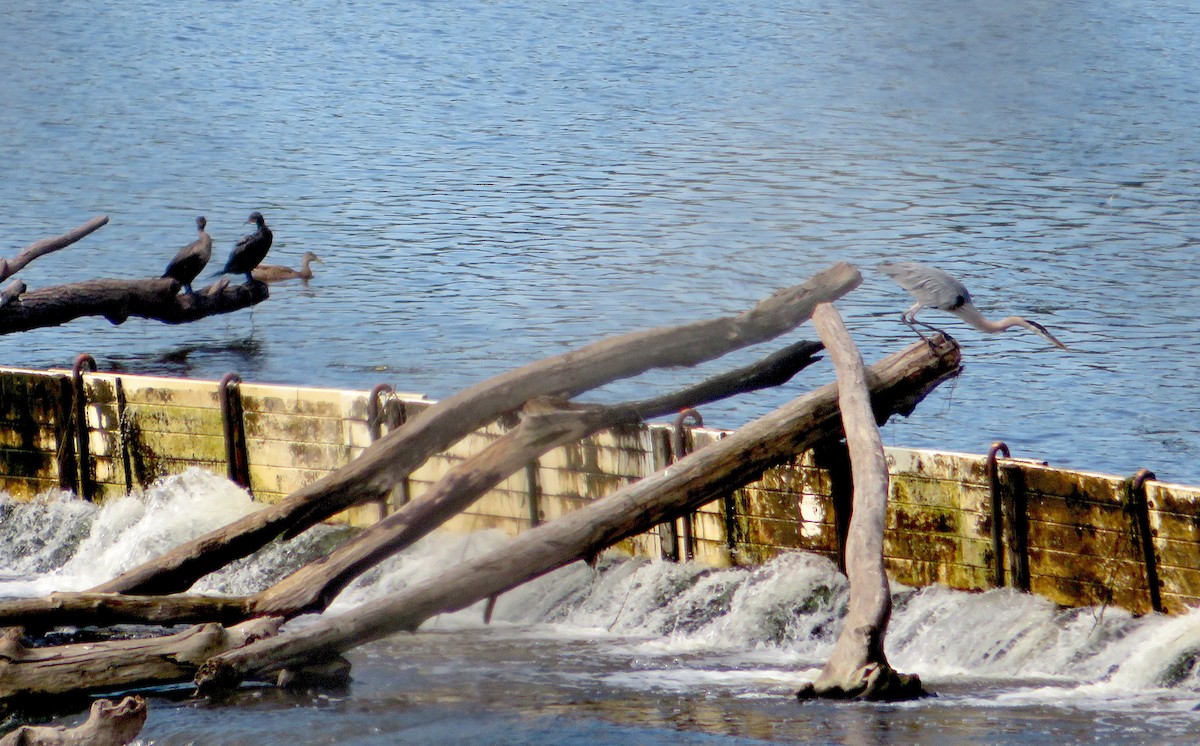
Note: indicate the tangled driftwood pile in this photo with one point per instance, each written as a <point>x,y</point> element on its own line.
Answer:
<point>218,656</point>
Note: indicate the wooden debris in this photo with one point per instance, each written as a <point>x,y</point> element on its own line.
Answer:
<point>98,667</point>
<point>544,426</point>
<point>858,667</point>
<point>392,458</point>
<point>897,384</point>
<point>107,725</point>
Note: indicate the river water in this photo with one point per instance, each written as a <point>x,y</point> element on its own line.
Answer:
<point>489,183</point>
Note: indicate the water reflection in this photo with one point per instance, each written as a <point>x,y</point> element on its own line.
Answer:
<point>234,354</point>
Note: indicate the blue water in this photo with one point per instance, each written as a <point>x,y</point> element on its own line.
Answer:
<point>489,183</point>
<point>492,182</point>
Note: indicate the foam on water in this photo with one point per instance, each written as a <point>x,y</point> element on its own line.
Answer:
<point>57,542</point>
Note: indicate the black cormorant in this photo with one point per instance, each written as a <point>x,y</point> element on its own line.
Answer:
<point>188,263</point>
<point>249,251</point>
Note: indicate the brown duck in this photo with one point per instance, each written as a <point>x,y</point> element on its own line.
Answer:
<point>279,273</point>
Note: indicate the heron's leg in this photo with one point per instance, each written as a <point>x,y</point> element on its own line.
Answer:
<point>909,318</point>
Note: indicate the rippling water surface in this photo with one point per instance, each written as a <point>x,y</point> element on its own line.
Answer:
<point>493,182</point>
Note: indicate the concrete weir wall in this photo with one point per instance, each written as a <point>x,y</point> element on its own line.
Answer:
<point>1077,538</point>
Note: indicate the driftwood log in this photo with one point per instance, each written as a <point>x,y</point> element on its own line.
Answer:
<point>108,724</point>
<point>313,587</point>
<point>388,461</point>
<point>116,300</point>
<point>858,667</point>
<point>9,267</point>
<point>897,384</point>
<point>28,672</point>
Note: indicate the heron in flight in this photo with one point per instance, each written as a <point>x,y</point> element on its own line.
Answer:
<point>933,288</point>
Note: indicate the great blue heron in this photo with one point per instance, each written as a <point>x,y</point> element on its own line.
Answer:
<point>933,288</point>
<point>278,273</point>
<point>190,260</point>
<point>250,250</point>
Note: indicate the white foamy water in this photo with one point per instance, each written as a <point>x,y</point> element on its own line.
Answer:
<point>642,630</point>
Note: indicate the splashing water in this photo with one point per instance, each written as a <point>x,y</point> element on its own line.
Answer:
<point>651,627</point>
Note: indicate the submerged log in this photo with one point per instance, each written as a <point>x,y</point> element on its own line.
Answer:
<point>897,384</point>
<point>107,725</point>
<point>388,461</point>
<point>314,586</point>
<point>9,267</point>
<point>156,298</point>
<point>858,667</point>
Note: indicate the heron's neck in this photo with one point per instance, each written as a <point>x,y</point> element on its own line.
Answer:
<point>970,314</point>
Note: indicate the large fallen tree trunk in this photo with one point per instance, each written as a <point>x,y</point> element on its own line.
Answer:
<point>314,586</point>
<point>858,667</point>
<point>388,461</point>
<point>116,300</point>
<point>897,384</point>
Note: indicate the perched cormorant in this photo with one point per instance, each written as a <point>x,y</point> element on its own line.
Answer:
<point>278,273</point>
<point>188,263</point>
<point>249,251</point>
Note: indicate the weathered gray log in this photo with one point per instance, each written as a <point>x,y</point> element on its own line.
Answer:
<point>389,460</point>
<point>155,298</point>
<point>858,667</point>
<point>107,725</point>
<point>105,609</point>
<point>9,267</point>
<point>312,587</point>
<point>94,667</point>
<point>897,384</point>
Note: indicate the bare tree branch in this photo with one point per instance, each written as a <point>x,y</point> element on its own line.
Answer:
<point>9,267</point>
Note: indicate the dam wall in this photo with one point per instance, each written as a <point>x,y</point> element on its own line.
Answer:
<point>967,521</point>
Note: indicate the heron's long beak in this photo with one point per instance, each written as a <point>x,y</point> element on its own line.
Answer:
<point>1042,332</point>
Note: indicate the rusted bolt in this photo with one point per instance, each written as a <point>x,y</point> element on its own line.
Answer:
<point>82,449</point>
<point>677,445</point>
<point>375,410</point>
<point>236,458</point>
<point>993,473</point>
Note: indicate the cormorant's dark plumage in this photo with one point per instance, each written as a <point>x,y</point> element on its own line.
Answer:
<point>251,250</point>
<point>188,263</point>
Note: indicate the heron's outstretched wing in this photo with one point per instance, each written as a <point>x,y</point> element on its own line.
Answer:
<point>929,285</point>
